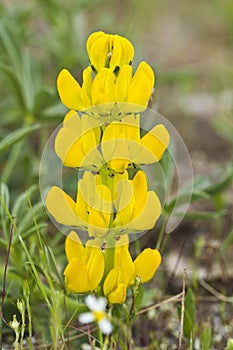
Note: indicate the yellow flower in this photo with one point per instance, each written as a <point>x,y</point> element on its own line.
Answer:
<point>143,208</point>
<point>85,265</point>
<point>92,209</point>
<point>106,88</point>
<point>144,266</point>
<point>77,141</point>
<point>125,270</point>
<point>147,263</point>
<point>122,145</point>
<point>108,50</point>
<point>115,286</point>
<point>127,208</point>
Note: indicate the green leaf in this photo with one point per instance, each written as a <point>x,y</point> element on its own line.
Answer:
<point>27,221</point>
<point>203,187</point>
<point>147,296</point>
<point>5,195</point>
<point>229,344</point>
<point>219,183</point>
<point>22,199</point>
<point>206,337</point>
<point>4,202</point>
<point>204,215</point>
<point>227,242</point>
<point>16,136</point>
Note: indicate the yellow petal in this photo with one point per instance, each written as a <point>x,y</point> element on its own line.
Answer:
<point>148,216</point>
<point>124,203</point>
<point>131,200</point>
<point>123,260</point>
<point>85,93</point>
<point>118,296</point>
<point>76,277</point>
<point>69,90</point>
<point>100,211</point>
<point>118,177</point>
<point>141,86</point>
<point>92,38</point>
<point>81,207</point>
<point>139,192</point>
<point>98,51</point>
<point>125,192</point>
<point>71,113</point>
<point>122,52</point>
<point>73,246</point>
<point>67,143</point>
<point>143,66</point>
<point>119,144</point>
<point>147,263</point>
<point>95,265</point>
<point>116,52</point>
<point>103,87</point>
<point>62,207</point>
<point>97,223</point>
<point>103,199</point>
<point>87,187</point>
<point>153,145</point>
<point>76,142</point>
<point>115,286</point>
<point>128,51</point>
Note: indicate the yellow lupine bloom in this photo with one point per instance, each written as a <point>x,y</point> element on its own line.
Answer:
<point>125,270</point>
<point>109,50</point>
<point>121,144</point>
<point>91,211</point>
<point>85,266</point>
<point>144,266</point>
<point>134,207</point>
<point>144,207</point>
<point>147,263</point>
<point>105,87</point>
<point>76,142</point>
<point>115,286</point>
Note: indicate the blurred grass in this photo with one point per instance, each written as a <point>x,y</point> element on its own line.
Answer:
<point>190,47</point>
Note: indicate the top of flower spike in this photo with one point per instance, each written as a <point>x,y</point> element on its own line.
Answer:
<point>109,50</point>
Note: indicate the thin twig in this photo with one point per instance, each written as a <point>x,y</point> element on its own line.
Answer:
<point>214,292</point>
<point>182,310</point>
<point>174,298</point>
<point>173,273</point>
<point>89,337</point>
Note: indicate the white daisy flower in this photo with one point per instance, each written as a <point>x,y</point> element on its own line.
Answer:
<point>97,313</point>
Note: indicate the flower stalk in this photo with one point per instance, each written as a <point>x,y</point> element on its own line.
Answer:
<point>102,135</point>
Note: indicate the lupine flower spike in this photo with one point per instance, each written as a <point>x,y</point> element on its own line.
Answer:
<point>102,135</point>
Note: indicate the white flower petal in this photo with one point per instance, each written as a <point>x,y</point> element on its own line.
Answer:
<point>105,326</point>
<point>95,304</point>
<point>88,347</point>
<point>87,317</point>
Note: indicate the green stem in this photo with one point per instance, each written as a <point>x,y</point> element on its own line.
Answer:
<point>109,260</point>
<point>161,232</point>
<point>101,339</point>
